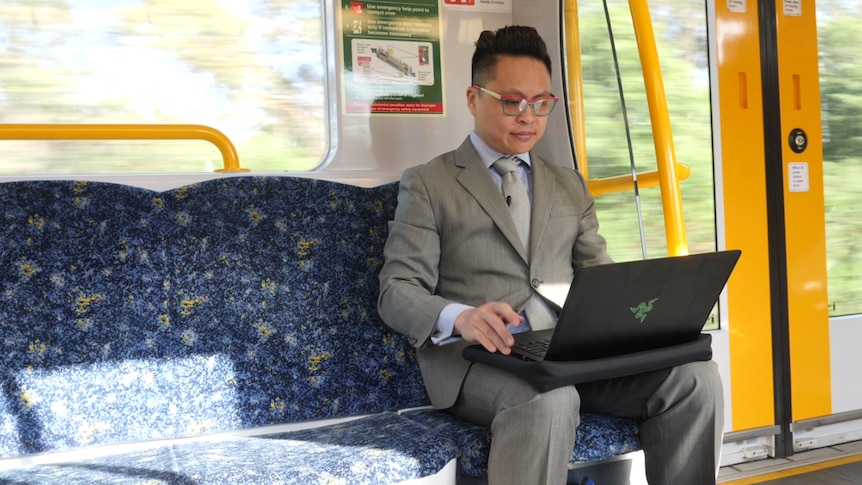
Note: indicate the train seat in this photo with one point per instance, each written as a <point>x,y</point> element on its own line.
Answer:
<point>215,333</point>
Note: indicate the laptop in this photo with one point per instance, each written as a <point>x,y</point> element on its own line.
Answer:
<point>648,312</point>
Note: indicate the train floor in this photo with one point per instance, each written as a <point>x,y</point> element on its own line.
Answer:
<point>835,465</point>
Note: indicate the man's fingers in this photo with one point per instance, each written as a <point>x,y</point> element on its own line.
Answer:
<point>487,324</point>
<point>493,341</point>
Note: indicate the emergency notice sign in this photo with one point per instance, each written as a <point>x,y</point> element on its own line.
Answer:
<point>392,57</point>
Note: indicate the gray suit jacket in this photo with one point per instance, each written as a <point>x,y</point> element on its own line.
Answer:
<point>453,240</point>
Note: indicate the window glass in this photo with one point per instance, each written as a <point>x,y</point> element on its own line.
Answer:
<point>251,69</point>
<point>681,40</point>
<point>839,35</point>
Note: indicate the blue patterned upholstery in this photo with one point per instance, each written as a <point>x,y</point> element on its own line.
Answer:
<point>82,278</point>
<point>379,449</point>
<point>9,445</point>
<point>281,275</point>
<point>129,315</point>
<point>474,441</point>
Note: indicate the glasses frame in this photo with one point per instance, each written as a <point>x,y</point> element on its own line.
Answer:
<point>524,102</point>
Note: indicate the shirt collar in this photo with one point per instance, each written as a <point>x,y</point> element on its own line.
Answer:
<point>489,155</point>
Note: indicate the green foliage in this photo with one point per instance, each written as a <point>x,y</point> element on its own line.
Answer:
<point>839,38</point>
<point>680,30</point>
<point>233,67</point>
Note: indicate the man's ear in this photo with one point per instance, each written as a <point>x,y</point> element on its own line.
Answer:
<point>472,99</point>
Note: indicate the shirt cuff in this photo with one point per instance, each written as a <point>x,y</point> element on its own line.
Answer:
<point>446,324</point>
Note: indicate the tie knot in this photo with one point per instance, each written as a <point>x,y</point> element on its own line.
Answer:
<point>506,165</point>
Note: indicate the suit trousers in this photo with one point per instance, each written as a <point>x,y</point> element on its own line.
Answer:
<point>533,433</point>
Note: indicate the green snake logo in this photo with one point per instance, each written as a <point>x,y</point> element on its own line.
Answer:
<point>642,309</point>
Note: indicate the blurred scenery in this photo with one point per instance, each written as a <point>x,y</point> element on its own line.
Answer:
<point>255,70</point>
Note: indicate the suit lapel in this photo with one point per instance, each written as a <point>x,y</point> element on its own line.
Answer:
<point>477,181</point>
<point>544,187</point>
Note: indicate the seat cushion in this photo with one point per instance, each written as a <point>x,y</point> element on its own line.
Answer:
<point>384,448</point>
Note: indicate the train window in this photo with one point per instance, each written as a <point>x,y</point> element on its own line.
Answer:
<point>250,69</point>
<point>681,40</point>
<point>841,99</point>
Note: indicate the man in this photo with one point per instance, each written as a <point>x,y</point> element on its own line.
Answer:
<point>459,270</point>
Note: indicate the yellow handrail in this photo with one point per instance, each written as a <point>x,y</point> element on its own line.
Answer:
<point>228,151</point>
<point>662,137</point>
<point>669,172</point>
<point>575,85</point>
<point>622,183</point>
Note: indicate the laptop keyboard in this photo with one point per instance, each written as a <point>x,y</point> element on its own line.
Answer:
<point>535,347</point>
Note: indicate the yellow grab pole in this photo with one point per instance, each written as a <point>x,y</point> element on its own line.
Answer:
<point>621,183</point>
<point>662,136</point>
<point>575,85</point>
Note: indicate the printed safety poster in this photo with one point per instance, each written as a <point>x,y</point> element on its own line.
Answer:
<point>392,57</point>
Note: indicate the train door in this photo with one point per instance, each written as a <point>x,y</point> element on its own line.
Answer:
<point>790,322</point>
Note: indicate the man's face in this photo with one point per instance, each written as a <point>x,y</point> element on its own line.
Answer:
<point>515,76</point>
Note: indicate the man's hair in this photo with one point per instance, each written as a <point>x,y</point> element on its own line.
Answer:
<point>513,40</point>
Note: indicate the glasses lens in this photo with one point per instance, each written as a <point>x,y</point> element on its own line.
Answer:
<point>543,107</point>
<point>513,106</point>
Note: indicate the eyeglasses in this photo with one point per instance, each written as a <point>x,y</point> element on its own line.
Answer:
<point>517,105</point>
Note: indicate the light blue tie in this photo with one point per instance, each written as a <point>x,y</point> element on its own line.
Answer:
<point>539,315</point>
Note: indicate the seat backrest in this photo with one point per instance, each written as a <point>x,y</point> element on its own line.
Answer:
<point>128,314</point>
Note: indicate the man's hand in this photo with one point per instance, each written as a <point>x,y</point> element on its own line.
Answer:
<point>486,324</point>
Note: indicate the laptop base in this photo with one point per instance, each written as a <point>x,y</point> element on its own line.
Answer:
<point>547,375</point>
